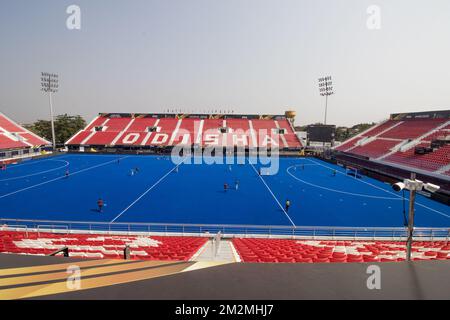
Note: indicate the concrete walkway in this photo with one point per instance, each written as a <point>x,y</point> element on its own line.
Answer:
<point>225,252</point>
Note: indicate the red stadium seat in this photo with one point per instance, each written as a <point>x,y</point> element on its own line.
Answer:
<point>380,141</point>
<point>102,246</point>
<point>124,130</point>
<point>14,136</point>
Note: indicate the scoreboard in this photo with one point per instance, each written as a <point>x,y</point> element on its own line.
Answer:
<point>321,133</point>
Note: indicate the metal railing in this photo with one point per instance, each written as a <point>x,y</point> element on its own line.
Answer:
<point>227,231</point>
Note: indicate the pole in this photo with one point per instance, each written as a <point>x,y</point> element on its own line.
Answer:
<point>52,120</point>
<point>412,198</point>
<point>405,221</point>
<point>326,101</point>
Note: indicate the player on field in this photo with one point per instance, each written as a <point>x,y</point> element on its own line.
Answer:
<point>100,204</point>
<point>288,205</point>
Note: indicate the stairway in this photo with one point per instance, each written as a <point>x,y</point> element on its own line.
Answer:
<point>225,252</point>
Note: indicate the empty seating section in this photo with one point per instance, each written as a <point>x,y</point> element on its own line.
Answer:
<point>375,148</point>
<point>8,125</point>
<point>169,131</point>
<point>439,134</point>
<point>102,137</point>
<point>99,121</point>
<point>101,246</point>
<point>263,125</point>
<point>408,134</point>
<point>13,136</point>
<point>411,129</point>
<point>7,143</point>
<point>290,135</point>
<point>192,128</point>
<point>429,162</point>
<point>117,124</point>
<point>382,127</point>
<point>316,251</point>
<point>369,133</point>
<point>238,124</point>
<point>142,124</point>
<point>79,137</point>
<point>250,250</point>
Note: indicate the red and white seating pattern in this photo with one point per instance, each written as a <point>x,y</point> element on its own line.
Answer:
<point>13,136</point>
<point>316,251</point>
<point>101,246</point>
<point>372,132</point>
<point>171,131</point>
<point>430,162</point>
<point>395,141</point>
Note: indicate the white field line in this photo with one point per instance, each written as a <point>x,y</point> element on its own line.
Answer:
<point>147,191</point>
<point>40,172</point>
<point>58,178</point>
<point>268,188</point>
<point>334,190</point>
<point>390,192</point>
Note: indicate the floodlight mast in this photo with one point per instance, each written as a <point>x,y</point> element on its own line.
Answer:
<point>326,89</point>
<point>49,84</point>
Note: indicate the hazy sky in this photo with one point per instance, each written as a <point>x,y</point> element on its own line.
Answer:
<point>251,56</point>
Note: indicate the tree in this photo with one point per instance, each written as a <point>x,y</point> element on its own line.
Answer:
<point>65,127</point>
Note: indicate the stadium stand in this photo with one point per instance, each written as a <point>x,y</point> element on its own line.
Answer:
<point>164,130</point>
<point>316,251</point>
<point>101,246</point>
<point>249,249</point>
<point>395,141</point>
<point>13,136</point>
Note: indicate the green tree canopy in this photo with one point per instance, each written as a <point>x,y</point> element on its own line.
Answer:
<point>65,127</point>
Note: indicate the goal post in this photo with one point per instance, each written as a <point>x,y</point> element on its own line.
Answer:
<point>352,171</point>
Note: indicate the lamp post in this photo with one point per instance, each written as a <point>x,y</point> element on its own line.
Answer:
<point>326,89</point>
<point>49,84</point>
<point>413,185</point>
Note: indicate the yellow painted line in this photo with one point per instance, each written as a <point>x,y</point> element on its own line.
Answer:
<point>22,280</point>
<point>56,267</point>
<point>91,283</point>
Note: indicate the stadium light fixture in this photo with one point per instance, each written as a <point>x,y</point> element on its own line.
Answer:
<point>413,185</point>
<point>50,84</point>
<point>326,89</point>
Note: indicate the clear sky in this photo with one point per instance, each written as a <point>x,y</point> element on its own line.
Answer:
<point>250,56</point>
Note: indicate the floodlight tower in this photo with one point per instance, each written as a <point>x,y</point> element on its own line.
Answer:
<point>49,84</point>
<point>326,89</point>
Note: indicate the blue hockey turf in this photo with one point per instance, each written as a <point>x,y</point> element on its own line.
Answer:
<point>161,192</point>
